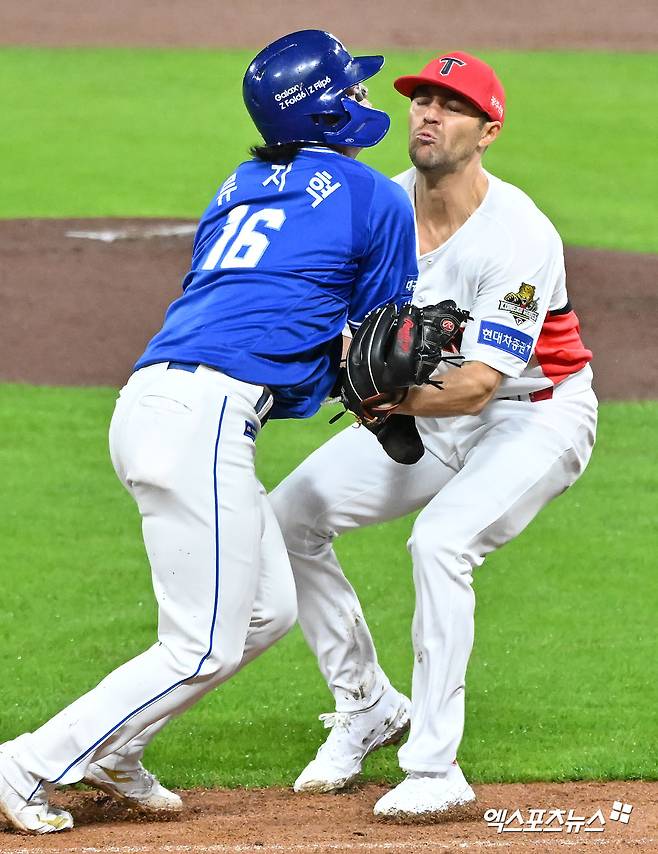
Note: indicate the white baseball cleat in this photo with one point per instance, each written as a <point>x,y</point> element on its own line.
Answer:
<point>33,816</point>
<point>136,786</point>
<point>424,795</point>
<point>353,736</point>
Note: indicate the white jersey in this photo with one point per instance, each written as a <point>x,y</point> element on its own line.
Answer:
<point>505,264</point>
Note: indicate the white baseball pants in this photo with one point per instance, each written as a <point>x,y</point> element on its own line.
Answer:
<point>481,481</point>
<point>183,445</point>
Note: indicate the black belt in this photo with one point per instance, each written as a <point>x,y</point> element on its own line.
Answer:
<point>260,404</point>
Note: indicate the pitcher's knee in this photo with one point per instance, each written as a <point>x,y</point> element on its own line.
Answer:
<point>278,615</point>
<point>282,620</point>
<point>439,546</point>
<point>285,615</point>
<point>300,509</point>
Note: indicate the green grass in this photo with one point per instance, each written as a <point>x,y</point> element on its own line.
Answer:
<point>153,132</point>
<point>563,680</point>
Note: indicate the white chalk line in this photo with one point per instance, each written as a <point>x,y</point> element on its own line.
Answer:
<point>136,232</point>
<point>251,848</point>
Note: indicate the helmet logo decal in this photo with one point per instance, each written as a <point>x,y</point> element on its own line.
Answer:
<point>319,84</point>
<point>279,96</point>
<point>447,64</point>
<point>294,94</point>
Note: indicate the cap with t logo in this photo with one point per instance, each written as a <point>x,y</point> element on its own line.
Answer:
<point>465,74</point>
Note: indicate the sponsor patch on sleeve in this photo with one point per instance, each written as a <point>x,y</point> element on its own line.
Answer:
<point>508,340</point>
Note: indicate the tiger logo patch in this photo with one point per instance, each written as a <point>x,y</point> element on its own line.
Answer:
<point>521,304</point>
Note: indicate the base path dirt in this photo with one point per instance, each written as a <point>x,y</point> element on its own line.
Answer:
<point>374,24</point>
<point>79,299</point>
<point>276,820</point>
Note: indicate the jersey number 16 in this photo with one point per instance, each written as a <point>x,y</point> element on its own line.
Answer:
<point>240,244</point>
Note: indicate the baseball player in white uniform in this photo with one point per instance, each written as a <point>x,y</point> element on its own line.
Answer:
<point>511,428</point>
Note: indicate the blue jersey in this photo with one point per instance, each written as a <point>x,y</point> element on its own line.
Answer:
<point>283,257</point>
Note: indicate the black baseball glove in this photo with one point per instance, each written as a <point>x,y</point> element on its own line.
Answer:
<point>391,351</point>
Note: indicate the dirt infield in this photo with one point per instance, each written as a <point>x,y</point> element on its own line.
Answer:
<point>376,24</point>
<point>275,820</point>
<point>80,310</point>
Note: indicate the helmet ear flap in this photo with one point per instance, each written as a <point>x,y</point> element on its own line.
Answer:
<point>365,126</point>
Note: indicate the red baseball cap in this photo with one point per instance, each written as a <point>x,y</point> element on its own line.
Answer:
<point>466,74</point>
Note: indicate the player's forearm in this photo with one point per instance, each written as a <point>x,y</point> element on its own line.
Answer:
<point>466,391</point>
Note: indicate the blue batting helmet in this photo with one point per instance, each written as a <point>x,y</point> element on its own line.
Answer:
<point>295,92</point>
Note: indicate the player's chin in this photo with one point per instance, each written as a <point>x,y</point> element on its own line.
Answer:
<point>424,155</point>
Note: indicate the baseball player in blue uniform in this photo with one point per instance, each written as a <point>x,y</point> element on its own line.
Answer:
<point>298,242</point>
